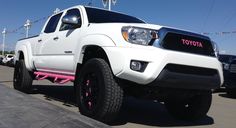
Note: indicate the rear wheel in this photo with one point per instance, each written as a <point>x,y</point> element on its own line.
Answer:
<point>231,92</point>
<point>98,94</point>
<point>192,108</point>
<point>22,79</point>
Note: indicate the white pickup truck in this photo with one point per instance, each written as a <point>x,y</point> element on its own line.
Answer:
<point>109,55</point>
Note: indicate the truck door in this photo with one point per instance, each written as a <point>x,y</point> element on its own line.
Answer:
<point>47,48</point>
<point>68,41</point>
<point>57,49</point>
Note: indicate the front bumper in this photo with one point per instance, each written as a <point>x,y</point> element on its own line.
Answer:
<point>157,60</point>
<point>187,77</point>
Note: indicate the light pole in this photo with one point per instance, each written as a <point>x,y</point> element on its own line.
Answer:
<point>4,32</point>
<point>109,7</point>
<point>27,26</point>
<point>105,2</point>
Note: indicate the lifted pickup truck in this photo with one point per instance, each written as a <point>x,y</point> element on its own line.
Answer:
<point>109,55</point>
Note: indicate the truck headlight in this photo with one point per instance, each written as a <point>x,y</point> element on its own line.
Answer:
<point>139,36</point>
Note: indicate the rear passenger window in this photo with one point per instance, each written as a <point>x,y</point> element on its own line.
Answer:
<point>52,23</point>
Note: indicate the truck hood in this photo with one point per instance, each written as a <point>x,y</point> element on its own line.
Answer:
<point>141,25</point>
<point>120,25</point>
<point>113,30</point>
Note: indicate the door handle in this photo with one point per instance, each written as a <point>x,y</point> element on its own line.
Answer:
<point>55,38</point>
<point>40,40</point>
<point>68,52</point>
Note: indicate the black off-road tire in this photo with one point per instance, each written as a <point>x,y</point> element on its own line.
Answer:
<point>190,109</point>
<point>231,92</point>
<point>98,94</point>
<point>22,79</point>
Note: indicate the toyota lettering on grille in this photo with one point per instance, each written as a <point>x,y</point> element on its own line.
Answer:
<point>192,43</point>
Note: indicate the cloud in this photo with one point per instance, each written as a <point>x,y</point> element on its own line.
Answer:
<point>223,52</point>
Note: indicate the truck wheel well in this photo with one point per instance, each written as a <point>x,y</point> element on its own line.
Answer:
<point>94,52</point>
<point>89,53</point>
<point>21,55</point>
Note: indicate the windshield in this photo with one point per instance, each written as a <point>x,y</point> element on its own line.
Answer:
<point>103,16</point>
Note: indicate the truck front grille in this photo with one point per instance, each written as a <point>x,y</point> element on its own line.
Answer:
<point>232,68</point>
<point>190,43</point>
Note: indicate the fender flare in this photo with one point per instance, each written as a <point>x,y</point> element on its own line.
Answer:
<point>27,56</point>
<point>92,40</point>
<point>99,40</point>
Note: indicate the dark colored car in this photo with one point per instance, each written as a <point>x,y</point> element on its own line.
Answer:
<point>229,70</point>
<point>1,58</point>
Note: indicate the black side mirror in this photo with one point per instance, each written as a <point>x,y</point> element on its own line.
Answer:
<point>71,20</point>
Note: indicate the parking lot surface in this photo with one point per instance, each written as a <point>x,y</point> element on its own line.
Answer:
<point>18,110</point>
<point>135,113</point>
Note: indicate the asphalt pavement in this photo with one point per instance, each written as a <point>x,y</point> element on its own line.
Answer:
<point>18,110</point>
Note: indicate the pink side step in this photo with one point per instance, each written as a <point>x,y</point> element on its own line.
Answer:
<point>61,79</point>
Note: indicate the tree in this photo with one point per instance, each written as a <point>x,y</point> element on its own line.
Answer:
<point>7,52</point>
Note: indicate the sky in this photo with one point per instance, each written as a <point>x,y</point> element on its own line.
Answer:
<point>213,17</point>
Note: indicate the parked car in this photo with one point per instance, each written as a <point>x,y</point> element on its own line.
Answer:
<point>11,63</point>
<point>229,71</point>
<point>7,58</point>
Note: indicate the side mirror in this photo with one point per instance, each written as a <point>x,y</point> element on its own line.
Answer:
<point>72,20</point>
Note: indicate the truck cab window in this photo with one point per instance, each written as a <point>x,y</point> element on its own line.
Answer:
<point>52,23</point>
<point>72,12</point>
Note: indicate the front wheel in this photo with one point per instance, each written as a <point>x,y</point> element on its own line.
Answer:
<point>98,94</point>
<point>192,108</point>
<point>22,79</point>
